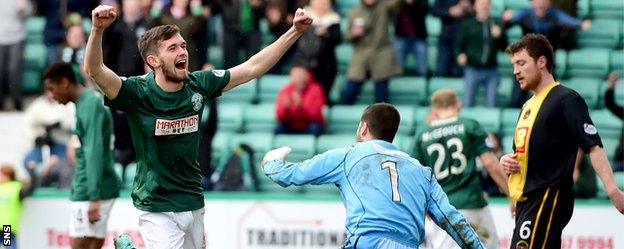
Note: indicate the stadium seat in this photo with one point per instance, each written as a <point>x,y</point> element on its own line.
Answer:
<point>497,9</point>
<point>344,53</point>
<point>619,93</point>
<point>31,81</point>
<point>489,118</point>
<point>509,117</point>
<point>335,94</point>
<point>230,117</point>
<point>245,93</point>
<point>406,126</point>
<point>408,91</point>
<point>35,26</point>
<point>404,143</point>
<point>434,28</point>
<point>589,62</point>
<point>505,89</point>
<point>586,87</point>
<point>514,34</point>
<point>437,83</point>
<point>420,116</point>
<point>345,6</point>
<point>261,143</point>
<point>608,125</point>
<point>608,9</point>
<point>367,94</point>
<point>609,144</point>
<point>432,58</point>
<point>216,56</point>
<point>504,64</point>
<point>259,118</point>
<point>267,36</point>
<point>617,61</point>
<point>604,33</point>
<point>561,63</point>
<point>303,146</point>
<point>35,56</point>
<point>517,4</point>
<point>270,85</point>
<point>332,141</point>
<point>582,8</point>
<point>507,143</point>
<point>344,119</point>
<point>220,143</point>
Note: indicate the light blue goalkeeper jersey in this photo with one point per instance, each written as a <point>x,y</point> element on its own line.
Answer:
<point>386,193</point>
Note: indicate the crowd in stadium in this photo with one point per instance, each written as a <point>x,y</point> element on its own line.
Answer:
<point>356,53</point>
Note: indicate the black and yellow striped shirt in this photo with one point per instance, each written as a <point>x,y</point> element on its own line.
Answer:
<point>551,127</point>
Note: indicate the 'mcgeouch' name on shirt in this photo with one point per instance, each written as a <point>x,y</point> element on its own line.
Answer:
<point>178,126</point>
<point>443,132</point>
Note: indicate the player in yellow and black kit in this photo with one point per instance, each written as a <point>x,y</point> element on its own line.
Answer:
<point>553,125</point>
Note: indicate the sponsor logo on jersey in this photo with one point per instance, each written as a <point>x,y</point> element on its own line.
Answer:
<point>218,73</point>
<point>185,125</point>
<point>590,129</point>
<point>197,101</point>
<point>520,139</point>
<point>522,245</point>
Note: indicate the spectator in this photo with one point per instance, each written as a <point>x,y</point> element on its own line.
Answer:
<point>451,13</point>
<point>316,48</point>
<point>121,53</point>
<point>410,34</point>
<point>299,104</point>
<point>73,50</point>
<point>56,172</point>
<point>241,28</point>
<point>12,40</point>
<point>374,55</point>
<point>47,124</point>
<point>618,111</point>
<point>188,17</point>
<point>279,15</point>
<point>541,19</point>
<point>12,193</point>
<point>479,38</point>
<point>56,13</point>
<point>567,37</point>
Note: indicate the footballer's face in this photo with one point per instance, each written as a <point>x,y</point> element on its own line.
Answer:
<point>173,58</point>
<point>58,90</point>
<point>526,70</point>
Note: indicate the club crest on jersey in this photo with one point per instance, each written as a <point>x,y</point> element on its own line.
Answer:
<point>590,129</point>
<point>526,114</point>
<point>197,101</point>
<point>218,73</point>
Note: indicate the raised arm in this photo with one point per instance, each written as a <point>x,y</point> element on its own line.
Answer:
<point>601,165</point>
<point>320,169</point>
<point>106,79</point>
<point>261,62</point>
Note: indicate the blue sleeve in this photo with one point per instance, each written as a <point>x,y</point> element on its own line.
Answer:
<point>320,169</point>
<point>448,218</point>
<point>515,19</point>
<point>566,20</point>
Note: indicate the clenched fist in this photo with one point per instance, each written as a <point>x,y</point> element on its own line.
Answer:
<point>102,17</point>
<point>302,20</point>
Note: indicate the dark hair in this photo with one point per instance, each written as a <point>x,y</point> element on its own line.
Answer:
<point>59,71</point>
<point>536,45</point>
<point>382,120</point>
<point>148,43</point>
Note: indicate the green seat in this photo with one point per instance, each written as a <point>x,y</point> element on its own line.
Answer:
<point>498,7</point>
<point>489,118</point>
<point>367,94</point>
<point>259,118</point>
<point>31,81</point>
<point>587,88</point>
<point>270,85</point>
<point>261,143</point>
<point>344,119</point>
<point>216,56</point>
<point>420,116</point>
<point>608,8</point>
<point>609,144</point>
<point>335,94</point>
<point>617,61</point>
<point>604,33</point>
<point>35,26</point>
<point>608,125</point>
<point>517,4</point>
<point>507,144</point>
<point>267,36</point>
<point>505,89</point>
<point>220,143</point>
<point>437,83</point>
<point>504,64</point>
<point>303,146</point>
<point>345,6</point>
<point>404,143</point>
<point>406,126</point>
<point>589,62</point>
<point>509,117</point>
<point>35,56</point>
<point>408,90</point>
<point>344,53</point>
<point>582,8</point>
<point>434,29</point>
<point>561,63</point>
<point>332,141</point>
<point>514,34</point>
<point>619,93</point>
<point>432,58</point>
<point>230,117</point>
<point>245,93</point>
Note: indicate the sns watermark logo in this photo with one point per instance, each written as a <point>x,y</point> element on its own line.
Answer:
<point>6,235</point>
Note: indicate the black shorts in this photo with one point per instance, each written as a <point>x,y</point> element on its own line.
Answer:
<point>540,218</point>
